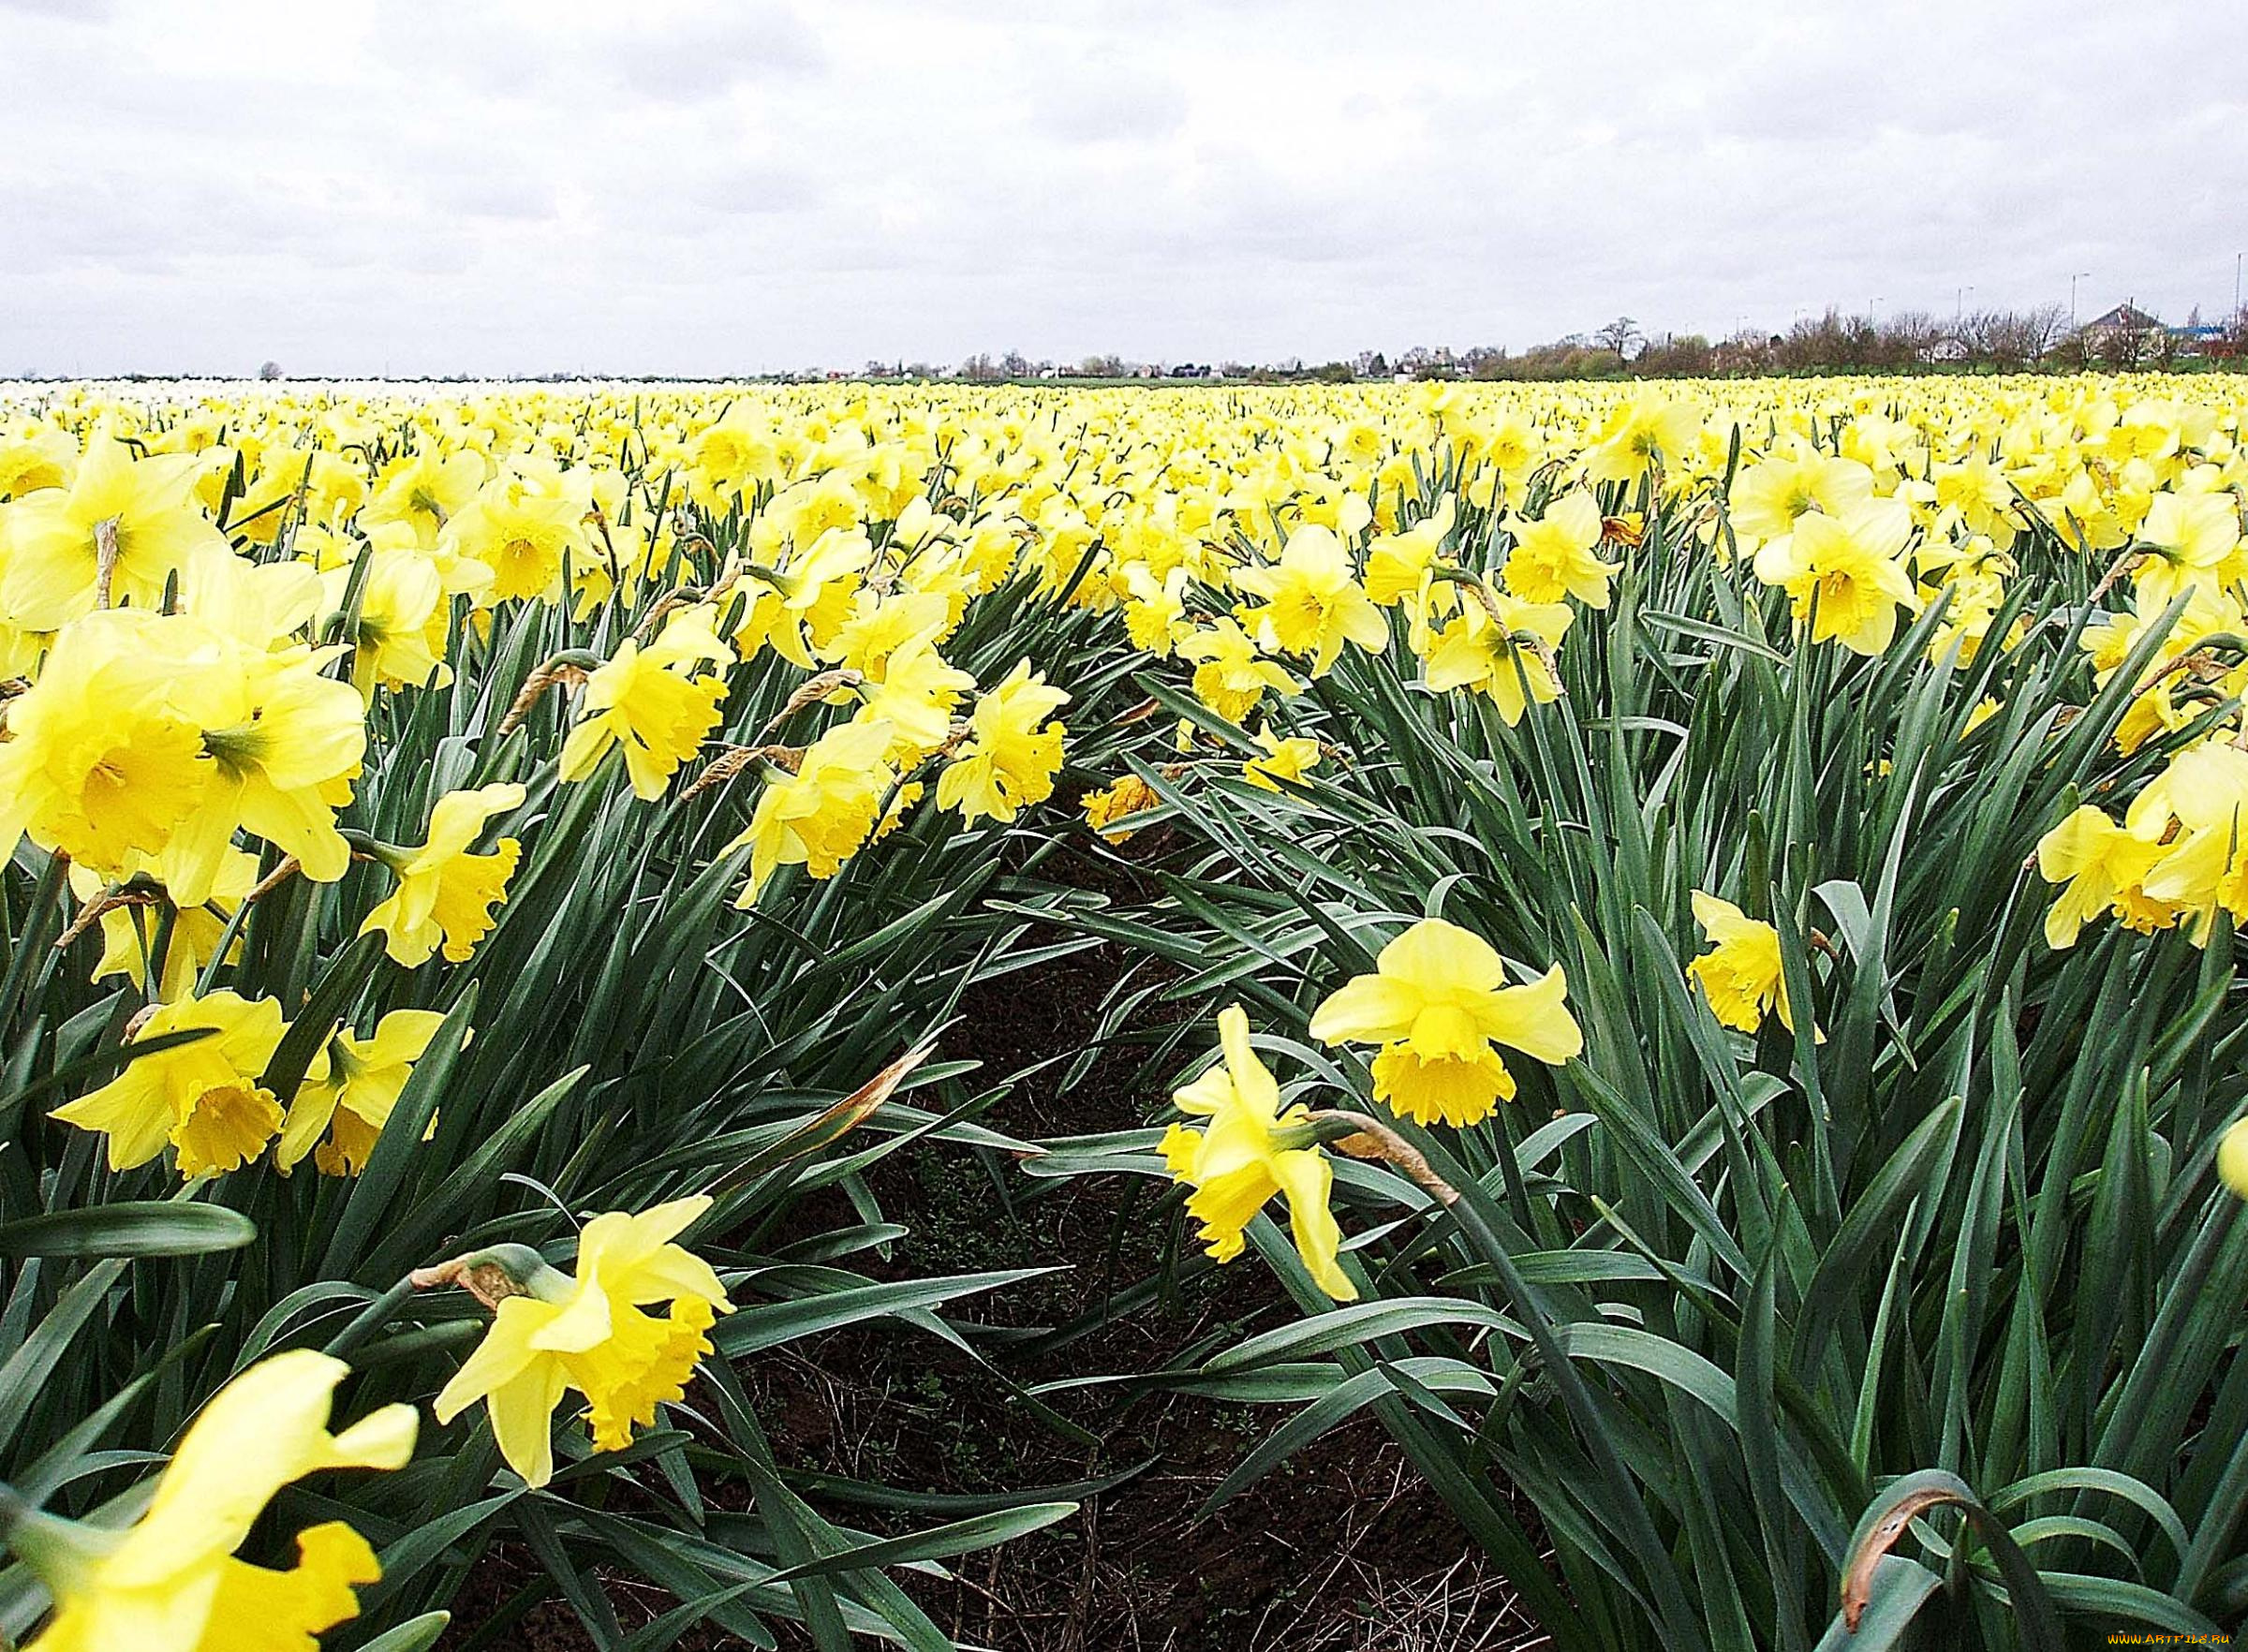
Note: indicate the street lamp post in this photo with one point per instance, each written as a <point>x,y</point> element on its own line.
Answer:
<point>1959,307</point>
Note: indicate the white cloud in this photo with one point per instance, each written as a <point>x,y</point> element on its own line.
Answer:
<point>707,54</point>
<point>705,187</point>
<point>69,11</point>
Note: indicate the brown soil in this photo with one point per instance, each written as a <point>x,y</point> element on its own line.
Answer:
<point>1342,1549</point>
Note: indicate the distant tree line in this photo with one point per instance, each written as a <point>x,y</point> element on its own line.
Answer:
<point>1905,341</point>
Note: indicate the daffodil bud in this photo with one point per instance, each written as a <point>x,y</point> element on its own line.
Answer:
<point>2232,1158</point>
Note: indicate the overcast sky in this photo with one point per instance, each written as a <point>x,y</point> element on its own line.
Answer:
<point>631,186</point>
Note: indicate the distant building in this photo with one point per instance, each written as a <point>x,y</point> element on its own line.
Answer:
<point>2125,317</point>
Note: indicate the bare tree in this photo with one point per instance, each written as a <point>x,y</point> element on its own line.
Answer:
<point>2122,348</point>
<point>2010,340</point>
<point>2234,341</point>
<point>1910,338</point>
<point>1828,344</point>
<point>2045,327</point>
<point>1675,355</point>
<point>1747,353</point>
<point>1618,336</point>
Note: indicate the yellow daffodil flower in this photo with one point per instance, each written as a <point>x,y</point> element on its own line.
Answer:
<point>349,1090</point>
<point>818,817</point>
<point>1844,574</point>
<point>1312,601</point>
<point>1648,427</point>
<point>1553,555</point>
<point>36,461</point>
<point>425,491</point>
<point>522,527</point>
<point>803,604</point>
<point>404,618</point>
<point>1130,795</point>
<point>1740,975</point>
<point>592,1333</point>
<point>1284,759</point>
<point>202,1098</point>
<point>286,739</point>
<point>1770,497</point>
<point>1230,678</point>
<point>101,762</point>
<point>2188,539</point>
<point>170,1583</point>
<point>129,931</point>
<point>114,536</point>
<point>915,697</point>
<point>1012,754</point>
<point>2205,791</point>
<point>2104,868</point>
<point>1500,646</point>
<point>640,700</point>
<point>1397,564</point>
<point>444,894</point>
<point>1237,1161</point>
<point>1438,1006</point>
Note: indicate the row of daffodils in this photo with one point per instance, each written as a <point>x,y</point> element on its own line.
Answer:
<point>217,611</point>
